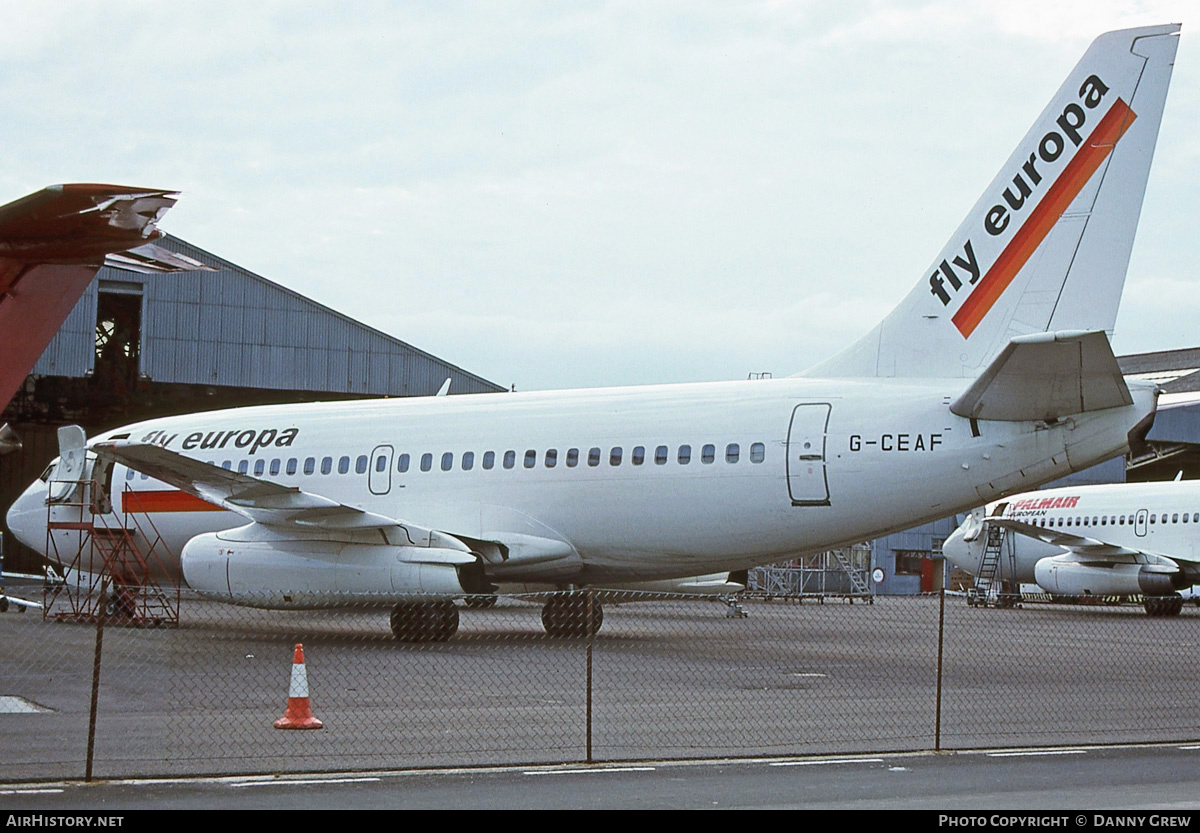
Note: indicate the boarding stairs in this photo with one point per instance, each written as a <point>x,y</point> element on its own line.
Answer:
<point>990,589</point>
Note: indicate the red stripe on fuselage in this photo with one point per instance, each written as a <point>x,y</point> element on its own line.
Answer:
<point>165,501</point>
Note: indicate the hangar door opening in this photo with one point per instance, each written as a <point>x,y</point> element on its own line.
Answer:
<point>807,484</point>
<point>118,337</point>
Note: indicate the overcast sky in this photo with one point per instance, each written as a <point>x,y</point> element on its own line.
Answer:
<point>579,194</point>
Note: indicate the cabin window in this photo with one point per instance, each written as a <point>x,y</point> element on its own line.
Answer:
<point>402,463</point>
<point>510,459</point>
<point>129,473</point>
<point>291,465</point>
<point>551,457</point>
<point>260,466</point>
<point>426,461</point>
<point>572,457</point>
<point>530,458</point>
<point>1153,518</point>
<point>381,463</point>
<point>310,465</point>
<point>448,461</point>
<point>660,455</point>
<point>614,456</point>
<point>685,455</point>
<point>326,465</point>
<point>243,467</point>
<point>1185,517</point>
<point>708,453</point>
<point>489,459</point>
<point>758,452</point>
<point>732,452</point>
<point>639,455</point>
<point>468,460</point>
<point>275,464</point>
<point>343,465</point>
<point>1175,517</point>
<point>593,456</point>
<point>1104,521</point>
<point>360,464</point>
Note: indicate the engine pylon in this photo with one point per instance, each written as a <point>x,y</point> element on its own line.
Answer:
<point>299,713</point>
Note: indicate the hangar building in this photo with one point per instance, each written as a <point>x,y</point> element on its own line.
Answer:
<point>139,345</point>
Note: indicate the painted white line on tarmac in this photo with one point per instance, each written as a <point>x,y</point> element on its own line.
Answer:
<point>1033,753</point>
<point>31,792</point>
<point>827,763</point>
<point>291,782</point>
<point>588,771</point>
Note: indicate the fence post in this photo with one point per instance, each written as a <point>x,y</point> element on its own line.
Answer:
<point>937,731</point>
<point>591,639</point>
<point>101,615</point>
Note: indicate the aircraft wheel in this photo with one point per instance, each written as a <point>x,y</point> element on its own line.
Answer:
<point>567,616</point>
<point>3,604</point>
<point>424,621</point>
<point>481,602</point>
<point>1163,605</point>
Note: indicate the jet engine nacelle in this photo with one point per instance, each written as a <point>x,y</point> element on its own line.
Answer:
<point>1063,575</point>
<point>306,574</point>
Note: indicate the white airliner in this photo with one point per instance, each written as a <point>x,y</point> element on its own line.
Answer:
<point>1124,539</point>
<point>993,375</point>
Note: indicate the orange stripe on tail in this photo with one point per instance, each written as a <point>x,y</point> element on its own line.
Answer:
<point>1042,219</point>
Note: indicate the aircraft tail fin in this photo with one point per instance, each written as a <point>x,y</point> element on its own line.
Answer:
<point>53,242</point>
<point>1046,247</point>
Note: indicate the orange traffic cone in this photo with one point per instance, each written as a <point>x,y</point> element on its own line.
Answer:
<point>299,714</point>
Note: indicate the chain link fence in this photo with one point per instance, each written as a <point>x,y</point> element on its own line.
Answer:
<point>663,678</point>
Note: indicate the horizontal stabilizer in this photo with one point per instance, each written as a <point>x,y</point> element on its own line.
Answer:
<point>152,258</point>
<point>81,223</point>
<point>1046,376</point>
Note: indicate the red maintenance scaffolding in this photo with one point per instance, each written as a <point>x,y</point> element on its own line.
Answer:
<point>115,564</point>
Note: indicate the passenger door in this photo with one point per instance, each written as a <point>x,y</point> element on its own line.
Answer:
<point>807,483</point>
<point>379,471</point>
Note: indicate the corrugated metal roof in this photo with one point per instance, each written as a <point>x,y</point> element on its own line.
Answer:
<point>233,327</point>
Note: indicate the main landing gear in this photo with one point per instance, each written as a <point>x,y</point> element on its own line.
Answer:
<point>1163,605</point>
<point>567,615</point>
<point>424,621</point>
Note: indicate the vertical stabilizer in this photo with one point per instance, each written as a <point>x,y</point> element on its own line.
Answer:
<point>1047,245</point>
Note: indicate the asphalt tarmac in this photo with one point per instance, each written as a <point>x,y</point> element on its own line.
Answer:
<point>669,681</point>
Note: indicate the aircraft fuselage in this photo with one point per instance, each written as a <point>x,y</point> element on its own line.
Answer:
<point>634,483</point>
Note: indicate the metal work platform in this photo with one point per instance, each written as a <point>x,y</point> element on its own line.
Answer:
<point>112,565</point>
<point>836,574</point>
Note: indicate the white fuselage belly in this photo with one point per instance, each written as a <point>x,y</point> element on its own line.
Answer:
<point>893,456</point>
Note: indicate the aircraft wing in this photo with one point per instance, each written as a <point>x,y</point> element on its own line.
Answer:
<point>1086,549</point>
<point>264,502</point>
<point>1046,376</point>
<point>52,243</point>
